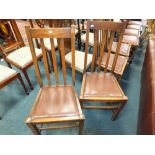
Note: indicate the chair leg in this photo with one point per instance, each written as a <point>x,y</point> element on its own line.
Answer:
<point>27,78</point>
<point>81,124</point>
<point>117,111</point>
<point>34,129</point>
<point>119,78</point>
<point>81,103</point>
<point>22,83</point>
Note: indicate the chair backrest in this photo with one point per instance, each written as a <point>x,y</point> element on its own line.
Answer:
<point>61,34</point>
<point>105,32</point>
<point>17,35</point>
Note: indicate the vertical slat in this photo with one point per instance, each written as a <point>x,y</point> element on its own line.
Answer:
<point>62,50</point>
<point>73,53</point>
<point>117,53</point>
<point>118,46</point>
<point>109,50</point>
<point>17,32</point>
<point>53,53</point>
<point>36,40</point>
<point>34,56</point>
<point>95,49</point>
<point>104,34</point>
<point>45,59</point>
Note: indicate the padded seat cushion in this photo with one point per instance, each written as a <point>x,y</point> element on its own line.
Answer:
<point>48,44</point>
<point>136,27</point>
<point>131,40</point>
<point>124,50</point>
<point>101,85</point>
<point>91,38</point>
<point>120,65</point>
<point>22,56</point>
<point>55,101</point>
<point>6,73</point>
<point>132,32</point>
<point>79,60</point>
<point>135,22</point>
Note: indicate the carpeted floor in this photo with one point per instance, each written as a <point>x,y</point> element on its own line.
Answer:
<point>15,105</point>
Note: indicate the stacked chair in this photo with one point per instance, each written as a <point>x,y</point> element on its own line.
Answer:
<point>132,36</point>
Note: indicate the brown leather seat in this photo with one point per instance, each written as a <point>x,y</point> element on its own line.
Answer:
<point>101,85</point>
<point>120,65</point>
<point>124,50</point>
<point>55,102</point>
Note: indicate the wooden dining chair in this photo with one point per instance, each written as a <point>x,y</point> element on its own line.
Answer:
<point>102,86</point>
<point>121,61</point>
<point>57,103</point>
<point>7,75</point>
<point>19,55</point>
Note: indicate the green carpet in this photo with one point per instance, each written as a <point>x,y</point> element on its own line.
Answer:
<point>15,105</point>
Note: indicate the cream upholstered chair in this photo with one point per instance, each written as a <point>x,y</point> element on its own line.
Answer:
<point>79,60</point>
<point>7,75</point>
<point>18,55</point>
<point>91,38</point>
<point>22,59</point>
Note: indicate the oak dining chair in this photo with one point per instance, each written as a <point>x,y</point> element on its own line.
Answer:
<point>19,55</point>
<point>55,103</point>
<point>7,75</point>
<point>101,86</point>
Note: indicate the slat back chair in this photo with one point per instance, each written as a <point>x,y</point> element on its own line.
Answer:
<point>97,85</point>
<point>62,104</point>
<point>105,28</point>
<point>52,33</point>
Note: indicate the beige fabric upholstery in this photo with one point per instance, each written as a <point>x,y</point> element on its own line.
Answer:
<point>91,38</point>
<point>22,56</point>
<point>6,73</point>
<point>79,60</point>
<point>76,31</point>
<point>136,27</point>
<point>132,32</point>
<point>48,44</point>
<point>117,20</point>
<point>135,22</point>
